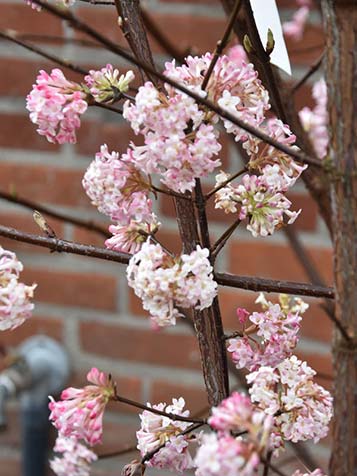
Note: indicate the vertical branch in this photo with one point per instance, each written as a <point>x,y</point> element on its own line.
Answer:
<point>207,323</point>
<point>340,19</point>
<point>134,32</point>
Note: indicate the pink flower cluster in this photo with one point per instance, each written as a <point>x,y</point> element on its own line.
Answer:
<point>75,460</point>
<point>317,472</point>
<point>233,85</point>
<point>277,328</point>
<point>119,189</point>
<point>107,84</point>
<point>157,430</point>
<point>296,26</point>
<point>55,105</point>
<point>163,282</point>
<point>315,120</point>
<point>301,408</point>
<point>222,453</point>
<point>178,146</point>
<point>79,413</point>
<point>15,297</point>
<point>225,455</point>
<point>260,198</point>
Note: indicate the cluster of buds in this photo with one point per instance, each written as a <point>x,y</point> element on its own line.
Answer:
<point>15,297</point>
<point>55,103</point>
<point>271,335</point>
<point>157,430</point>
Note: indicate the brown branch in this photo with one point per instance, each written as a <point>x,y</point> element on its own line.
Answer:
<point>221,44</point>
<point>81,26</point>
<point>308,74</point>
<point>251,283</point>
<point>65,246</point>
<point>123,451</point>
<point>160,37</point>
<point>222,240</point>
<point>242,282</point>
<point>24,202</point>
<point>226,182</point>
<point>15,38</point>
<point>148,456</point>
<point>172,416</point>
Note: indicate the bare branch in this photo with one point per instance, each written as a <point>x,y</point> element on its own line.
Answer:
<point>24,202</point>
<point>308,74</point>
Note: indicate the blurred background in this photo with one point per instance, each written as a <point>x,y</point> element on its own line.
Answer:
<point>85,304</point>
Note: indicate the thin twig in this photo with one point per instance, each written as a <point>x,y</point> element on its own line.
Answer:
<point>81,26</point>
<point>123,451</point>
<point>242,282</point>
<point>202,216</point>
<point>221,44</point>
<point>226,182</point>
<point>15,38</point>
<point>172,416</point>
<point>160,37</point>
<point>308,74</point>
<point>222,240</point>
<point>171,193</point>
<point>267,463</point>
<point>251,283</point>
<point>147,457</point>
<point>274,468</point>
<point>24,202</point>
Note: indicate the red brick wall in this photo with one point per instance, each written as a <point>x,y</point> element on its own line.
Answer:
<point>85,303</point>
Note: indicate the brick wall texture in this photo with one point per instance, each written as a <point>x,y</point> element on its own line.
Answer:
<point>85,303</point>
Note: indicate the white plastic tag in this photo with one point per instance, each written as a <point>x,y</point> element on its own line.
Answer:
<point>266,16</point>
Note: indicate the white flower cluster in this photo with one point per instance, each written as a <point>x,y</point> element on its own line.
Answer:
<point>163,282</point>
<point>15,304</point>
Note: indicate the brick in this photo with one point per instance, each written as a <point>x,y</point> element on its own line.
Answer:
<point>10,466</point>
<point>25,19</point>
<point>195,397</point>
<point>88,290</point>
<point>20,75</point>
<point>271,260</point>
<point>92,135</point>
<point>35,325</point>
<point>88,237</point>
<point>117,436</point>
<point>139,345</point>
<point>17,132</point>
<point>45,183</point>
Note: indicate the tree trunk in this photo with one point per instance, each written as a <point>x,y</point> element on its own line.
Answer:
<point>340,19</point>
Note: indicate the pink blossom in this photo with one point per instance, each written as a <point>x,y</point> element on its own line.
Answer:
<point>301,408</point>
<point>225,455</point>
<point>75,459</point>
<point>296,26</point>
<point>276,330</point>
<point>237,55</point>
<point>236,413</point>
<point>316,472</point>
<point>156,430</point>
<point>15,297</point>
<point>107,84</point>
<point>55,105</point>
<point>129,238</point>
<point>163,282</point>
<point>79,413</point>
<point>260,198</point>
<point>118,188</point>
<point>261,154</point>
<point>315,120</point>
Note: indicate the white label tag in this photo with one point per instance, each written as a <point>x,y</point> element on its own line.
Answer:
<point>266,16</point>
